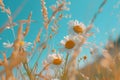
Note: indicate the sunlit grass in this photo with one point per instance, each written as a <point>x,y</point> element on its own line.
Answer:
<point>57,66</point>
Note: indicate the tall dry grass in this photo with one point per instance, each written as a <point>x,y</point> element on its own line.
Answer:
<point>57,67</point>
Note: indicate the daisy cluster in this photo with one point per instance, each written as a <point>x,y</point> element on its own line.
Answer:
<point>71,42</point>
<point>76,38</point>
<point>78,33</point>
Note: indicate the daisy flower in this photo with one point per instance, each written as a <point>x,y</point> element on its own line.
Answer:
<point>7,44</point>
<point>71,43</point>
<point>22,44</point>
<point>25,45</point>
<point>76,27</point>
<point>55,60</point>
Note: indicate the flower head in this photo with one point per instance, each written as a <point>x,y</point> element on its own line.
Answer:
<point>85,57</point>
<point>22,44</point>
<point>76,27</point>
<point>55,60</point>
<point>26,44</point>
<point>7,44</point>
<point>71,43</point>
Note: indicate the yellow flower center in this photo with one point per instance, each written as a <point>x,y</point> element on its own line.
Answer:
<point>57,61</point>
<point>85,57</point>
<point>69,44</point>
<point>78,29</point>
<point>21,43</point>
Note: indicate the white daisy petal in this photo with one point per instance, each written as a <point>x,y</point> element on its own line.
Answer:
<point>55,60</point>
<point>7,44</point>
<point>72,43</point>
<point>76,27</point>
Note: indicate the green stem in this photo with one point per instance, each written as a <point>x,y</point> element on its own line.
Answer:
<point>65,71</point>
<point>31,76</point>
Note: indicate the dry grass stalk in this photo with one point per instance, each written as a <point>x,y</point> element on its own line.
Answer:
<point>45,14</point>
<point>99,11</point>
<point>28,24</point>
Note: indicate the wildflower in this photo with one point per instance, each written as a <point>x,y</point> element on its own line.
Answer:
<point>84,57</point>
<point>71,43</point>
<point>25,45</point>
<point>76,27</point>
<point>7,44</point>
<point>21,43</point>
<point>55,60</point>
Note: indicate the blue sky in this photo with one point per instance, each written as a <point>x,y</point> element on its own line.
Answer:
<point>82,10</point>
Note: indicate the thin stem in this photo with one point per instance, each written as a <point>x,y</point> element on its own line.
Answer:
<point>43,69</point>
<point>13,32</point>
<point>66,60</point>
<point>65,71</point>
<point>55,12</point>
<point>99,10</point>
<point>19,69</point>
<point>37,60</point>
<point>31,76</point>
